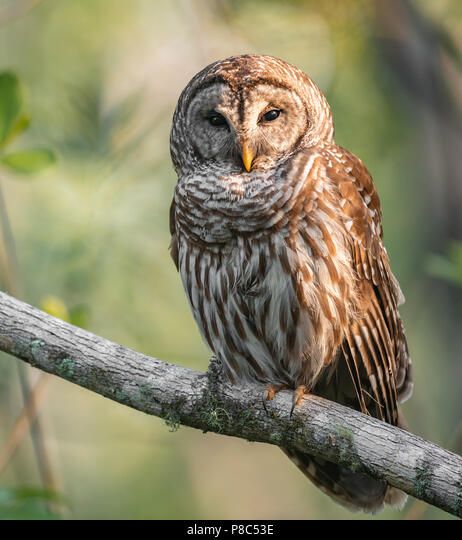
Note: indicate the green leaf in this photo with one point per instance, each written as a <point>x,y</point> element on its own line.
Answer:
<point>10,103</point>
<point>455,255</point>
<point>30,503</point>
<point>446,268</point>
<point>20,494</point>
<point>28,161</point>
<point>56,307</point>
<point>21,124</point>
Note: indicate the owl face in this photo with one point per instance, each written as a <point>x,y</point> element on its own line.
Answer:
<point>247,113</point>
<point>252,127</point>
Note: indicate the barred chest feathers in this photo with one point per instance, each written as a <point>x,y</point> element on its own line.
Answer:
<point>271,293</point>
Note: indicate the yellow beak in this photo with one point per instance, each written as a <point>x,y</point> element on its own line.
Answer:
<point>247,157</point>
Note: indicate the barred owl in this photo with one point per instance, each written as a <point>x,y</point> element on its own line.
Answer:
<point>277,235</point>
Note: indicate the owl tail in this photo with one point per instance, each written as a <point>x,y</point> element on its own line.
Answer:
<point>355,491</point>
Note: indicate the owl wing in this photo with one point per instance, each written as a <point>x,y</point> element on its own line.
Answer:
<point>371,371</point>
<point>374,348</point>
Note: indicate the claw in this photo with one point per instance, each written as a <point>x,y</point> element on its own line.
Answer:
<point>270,391</point>
<point>297,397</point>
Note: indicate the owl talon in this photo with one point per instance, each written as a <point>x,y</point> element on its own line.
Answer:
<point>297,397</point>
<point>270,391</point>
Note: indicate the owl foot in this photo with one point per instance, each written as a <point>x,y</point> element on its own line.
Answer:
<point>270,391</point>
<point>297,397</point>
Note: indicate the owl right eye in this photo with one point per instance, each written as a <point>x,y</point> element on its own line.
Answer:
<point>216,119</point>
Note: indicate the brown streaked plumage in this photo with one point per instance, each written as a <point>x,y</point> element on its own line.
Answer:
<point>276,233</point>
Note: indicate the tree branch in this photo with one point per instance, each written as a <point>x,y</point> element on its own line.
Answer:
<point>199,400</point>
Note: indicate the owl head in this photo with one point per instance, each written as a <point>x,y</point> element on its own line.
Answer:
<point>247,113</point>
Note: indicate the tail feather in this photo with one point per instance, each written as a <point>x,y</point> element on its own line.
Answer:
<point>346,382</point>
<point>355,491</point>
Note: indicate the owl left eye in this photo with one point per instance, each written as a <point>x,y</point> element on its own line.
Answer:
<point>216,119</point>
<point>271,115</point>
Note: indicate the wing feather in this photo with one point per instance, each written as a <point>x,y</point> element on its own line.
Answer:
<point>374,348</point>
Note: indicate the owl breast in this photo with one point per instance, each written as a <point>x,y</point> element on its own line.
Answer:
<point>270,299</point>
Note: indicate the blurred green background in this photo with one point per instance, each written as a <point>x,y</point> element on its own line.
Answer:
<point>101,79</point>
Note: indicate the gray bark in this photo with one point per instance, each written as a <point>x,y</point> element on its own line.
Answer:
<point>202,401</point>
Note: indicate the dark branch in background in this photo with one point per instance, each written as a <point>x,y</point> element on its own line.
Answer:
<point>426,67</point>
<point>198,400</point>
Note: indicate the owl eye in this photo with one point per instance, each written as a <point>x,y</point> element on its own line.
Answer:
<point>271,115</point>
<point>216,119</point>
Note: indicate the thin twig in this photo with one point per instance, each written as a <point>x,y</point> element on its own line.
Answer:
<point>13,282</point>
<point>23,422</point>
